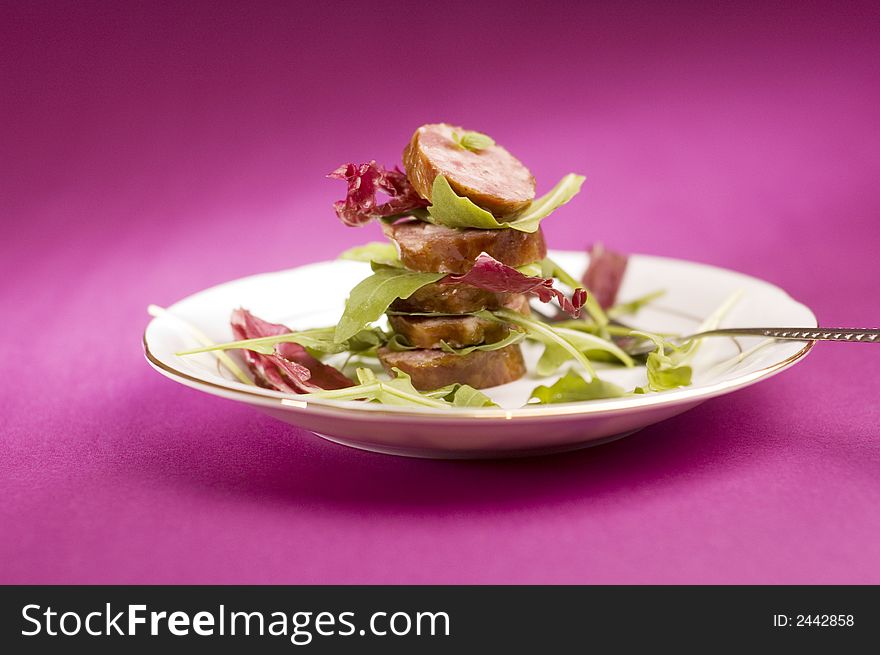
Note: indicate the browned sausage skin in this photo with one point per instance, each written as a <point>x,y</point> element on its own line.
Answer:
<point>495,180</point>
<point>459,299</point>
<point>439,249</point>
<point>492,178</point>
<point>432,369</point>
<point>455,331</point>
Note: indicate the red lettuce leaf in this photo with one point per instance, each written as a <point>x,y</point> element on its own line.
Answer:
<point>604,274</point>
<point>364,181</point>
<point>292,368</point>
<point>490,274</point>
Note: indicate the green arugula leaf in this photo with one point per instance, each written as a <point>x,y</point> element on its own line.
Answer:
<point>376,251</point>
<point>473,141</point>
<point>529,218</point>
<point>398,344</point>
<point>397,391</point>
<point>462,395</point>
<point>465,395</point>
<point>514,336</point>
<point>551,359</point>
<point>573,388</point>
<point>591,345</point>
<point>539,331</point>
<point>317,340</point>
<point>633,306</point>
<point>364,341</point>
<point>668,366</point>
<point>393,312</point>
<point>532,270</point>
<point>452,210</point>
<point>372,296</point>
<point>664,374</point>
<point>160,312</point>
<point>550,268</point>
<point>400,391</point>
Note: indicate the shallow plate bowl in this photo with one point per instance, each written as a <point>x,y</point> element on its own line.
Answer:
<point>313,295</point>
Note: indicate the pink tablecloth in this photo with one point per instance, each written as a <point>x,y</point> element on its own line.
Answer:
<point>150,151</point>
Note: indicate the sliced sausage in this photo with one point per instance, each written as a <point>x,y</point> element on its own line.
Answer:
<point>439,249</point>
<point>459,299</point>
<point>492,178</point>
<point>432,369</point>
<point>457,331</point>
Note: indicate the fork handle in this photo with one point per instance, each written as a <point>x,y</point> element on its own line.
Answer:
<point>863,335</point>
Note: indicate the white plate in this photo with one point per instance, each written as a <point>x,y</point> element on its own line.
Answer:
<point>313,295</point>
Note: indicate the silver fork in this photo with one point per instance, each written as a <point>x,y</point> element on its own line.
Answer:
<point>853,335</point>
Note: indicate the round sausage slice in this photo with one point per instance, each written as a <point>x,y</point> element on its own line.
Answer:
<point>492,178</point>
<point>440,249</point>
<point>459,299</point>
<point>432,369</point>
<point>456,331</point>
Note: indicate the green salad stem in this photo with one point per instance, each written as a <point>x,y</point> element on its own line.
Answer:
<point>541,332</point>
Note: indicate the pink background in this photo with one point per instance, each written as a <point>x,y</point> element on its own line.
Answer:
<point>150,150</point>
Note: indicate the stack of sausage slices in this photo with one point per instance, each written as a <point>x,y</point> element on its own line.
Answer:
<point>468,251</point>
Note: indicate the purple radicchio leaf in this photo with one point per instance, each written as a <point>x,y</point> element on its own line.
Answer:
<point>292,369</point>
<point>364,182</point>
<point>490,274</point>
<point>604,274</point>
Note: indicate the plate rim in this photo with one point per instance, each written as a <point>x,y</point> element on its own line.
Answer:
<point>306,403</point>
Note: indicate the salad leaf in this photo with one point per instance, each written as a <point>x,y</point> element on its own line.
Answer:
<point>376,251</point>
<point>397,391</point>
<point>592,328</point>
<point>490,274</point>
<point>539,331</point>
<point>529,218</point>
<point>319,340</point>
<point>668,366</point>
<point>551,359</point>
<point>664,374</point>
<point>589,344</point>
<point>461,395</point>
<point>572,388</point>
<point>394,312</point>
<point>364,182</point>
<point>633,306</point>
<point>550,268</point>
<point>373,295</point>
<point>397,343</point>
<point>288,367</point>
<point>514,336</point>
<point>465,395</point>
<point>452,210</point>
<point>473,141</point>
<point>156,312</point>
<point>604,274</point>
<point>400,391</point>
<point>532,270</point>
<point>364,342</point>
<point>619,335</point>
